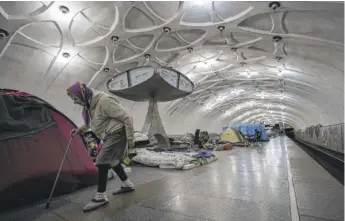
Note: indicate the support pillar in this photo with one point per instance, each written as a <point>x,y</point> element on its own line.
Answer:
<point>153,125</point>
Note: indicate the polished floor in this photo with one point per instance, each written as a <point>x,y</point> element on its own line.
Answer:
<point>276,182</point>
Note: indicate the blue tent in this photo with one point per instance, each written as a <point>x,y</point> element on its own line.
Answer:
<point>248,129</point>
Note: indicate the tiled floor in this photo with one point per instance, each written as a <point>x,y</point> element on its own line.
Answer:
<point>249,184</point>
<point>320,197</point>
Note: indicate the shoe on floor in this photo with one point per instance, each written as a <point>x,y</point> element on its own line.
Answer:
<point>127,186</point>
<point>98,201</point>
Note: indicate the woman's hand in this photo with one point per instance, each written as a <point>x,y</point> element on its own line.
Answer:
<point>75,132</point>
<point>80,130</point>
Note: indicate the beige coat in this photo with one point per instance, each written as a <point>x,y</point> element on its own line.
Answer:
<point>108,116</point>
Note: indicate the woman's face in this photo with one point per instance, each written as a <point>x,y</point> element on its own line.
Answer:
<point>77,100</point>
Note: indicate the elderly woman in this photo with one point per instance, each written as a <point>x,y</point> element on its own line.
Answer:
<point>109,121</point>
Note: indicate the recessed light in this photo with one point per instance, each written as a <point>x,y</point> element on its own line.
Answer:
<point>166,29</point>
<point>64,9</point>
<point>66,55</point>
<point>277,38</point>
<point>221,28</point>
<point>274,5</point>
<point>114,38</point>
<point>279,58</point>
<point>3,34</point>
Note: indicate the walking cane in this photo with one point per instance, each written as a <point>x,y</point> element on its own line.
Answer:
<point>58,174</point>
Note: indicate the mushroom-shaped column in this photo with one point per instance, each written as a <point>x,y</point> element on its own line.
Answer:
<point>155,85</point>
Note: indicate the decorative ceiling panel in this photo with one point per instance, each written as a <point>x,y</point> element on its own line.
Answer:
<point>289,53</point>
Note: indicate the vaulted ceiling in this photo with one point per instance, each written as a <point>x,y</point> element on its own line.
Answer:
<point>267,61</point>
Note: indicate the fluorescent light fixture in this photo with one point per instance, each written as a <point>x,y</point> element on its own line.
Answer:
<point>249,74</point>
<point>220,98</point>
<point>237,91</point>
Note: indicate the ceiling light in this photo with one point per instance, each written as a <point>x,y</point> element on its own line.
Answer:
<point>237,91</point>
<point>3,34</point>
<point>221,28</point>
<point>277,38</point>
<point>279,72</point>
<point>64,9</point>
<point>166,29</point>
<point>66,55</point>
<point>114,39</point>
<point>278,58</point>
<point>274,5</point>
<point>221,98</point>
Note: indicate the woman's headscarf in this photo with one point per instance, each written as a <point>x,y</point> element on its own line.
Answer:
<point>84,94</point>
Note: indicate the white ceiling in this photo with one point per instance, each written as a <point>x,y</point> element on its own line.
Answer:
<point>236,71</point>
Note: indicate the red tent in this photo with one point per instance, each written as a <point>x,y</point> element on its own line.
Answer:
<point>33,140</point>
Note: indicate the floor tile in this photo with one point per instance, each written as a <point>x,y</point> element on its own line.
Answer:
<point>138,213</point>
<point>310,218</point>
<point>224,209</point>
<point>303,163</point>
<point>320,199</point>
<point>257,194</point>
<point>74,212</point>
<point>39,216</point>
<point>37,212</point>
<point>307,173</point>
<point>250,179</point>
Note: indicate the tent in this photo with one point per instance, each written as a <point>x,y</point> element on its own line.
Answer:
<point>33,140</point>
<point>232,135</point>
<point>248,129</point>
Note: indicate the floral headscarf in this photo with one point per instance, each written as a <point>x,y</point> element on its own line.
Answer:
<point>84,94</point>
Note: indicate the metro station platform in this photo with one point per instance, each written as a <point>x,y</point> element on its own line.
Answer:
<point>276,182</point>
